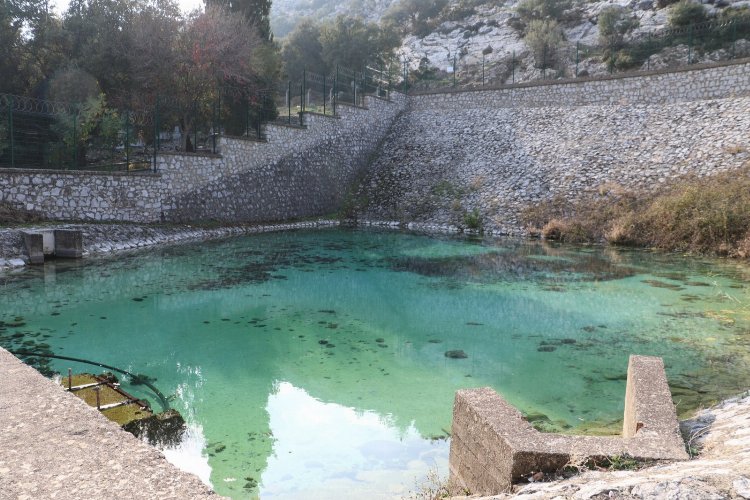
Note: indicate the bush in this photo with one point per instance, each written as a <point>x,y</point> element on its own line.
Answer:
<point>686,13</point>
<point>473,220</point>
<point>660,4</point>
<point>614,22</point>
<point>542,9</point>
<point>544,38</point>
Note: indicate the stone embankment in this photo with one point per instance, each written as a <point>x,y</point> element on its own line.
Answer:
<point>99,239</point>
<point>498,151</point>
<point>721,470</point>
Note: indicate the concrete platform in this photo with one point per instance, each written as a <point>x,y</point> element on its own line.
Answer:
<point>53,445</point>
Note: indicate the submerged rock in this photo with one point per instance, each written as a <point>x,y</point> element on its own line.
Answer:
<point>457,354</point>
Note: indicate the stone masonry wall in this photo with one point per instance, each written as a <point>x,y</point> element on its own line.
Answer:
<point>298,172</point>
<point>498,151</point>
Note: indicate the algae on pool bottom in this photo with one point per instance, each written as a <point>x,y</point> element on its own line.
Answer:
<point>314,362</point>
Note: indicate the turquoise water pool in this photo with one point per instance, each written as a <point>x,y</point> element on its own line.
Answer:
<point>313,364</point>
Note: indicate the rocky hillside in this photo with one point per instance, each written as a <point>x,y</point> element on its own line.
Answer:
<point>462,30</point>
<point>497,29</point>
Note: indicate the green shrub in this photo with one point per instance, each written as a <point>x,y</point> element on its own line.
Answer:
<point>660,4</point>
<point>686,13</point>
<point>544,38</point>
<point>542,9</point>
<point>473,220</point>
<point>614,22</point>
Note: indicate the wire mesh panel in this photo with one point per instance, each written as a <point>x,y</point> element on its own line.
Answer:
<point>191,126</point>
<point>318,95</point>
<point>35,133</point>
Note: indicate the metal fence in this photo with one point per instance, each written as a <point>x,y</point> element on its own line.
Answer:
<point>36,133</point>
<point>323,94</point>
<point>661,49</point>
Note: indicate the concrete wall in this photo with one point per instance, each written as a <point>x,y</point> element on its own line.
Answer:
<point>498,151</point>
<point>298,172</point>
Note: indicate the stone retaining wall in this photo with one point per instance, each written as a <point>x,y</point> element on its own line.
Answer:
<point>298,172</point>
<point>716,81</point>
<point>499,151</point>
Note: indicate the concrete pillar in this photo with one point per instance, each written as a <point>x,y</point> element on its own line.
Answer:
<point>68,244</point>
<point>34,244</point>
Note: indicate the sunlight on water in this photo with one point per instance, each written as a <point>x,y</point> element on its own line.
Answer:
<point>323,364</point>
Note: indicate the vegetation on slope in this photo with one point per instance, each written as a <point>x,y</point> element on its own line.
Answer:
<point>699,215</point>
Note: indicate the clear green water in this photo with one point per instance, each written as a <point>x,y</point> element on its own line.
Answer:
<point>314,362</point>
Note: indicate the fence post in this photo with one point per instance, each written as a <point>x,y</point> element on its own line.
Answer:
<point>289,100</point>
<point>513,67</point>
<point>301,101</point>
<point>455,69</point>
<point>325,97</point>
<point>690,44</point>
<point>405,76</point>
<point>75,139</point>
<point>127,141</point>
<point>156,130</point>
<point>304,90</point>
<point>650,48</point>
<point>483,56</point>
<point>335,89</point>
<point>544,62</point>
<point>578,45</point>
<point>734,38</point>
<point>247,116</point>
<point>611,57</point>
<point>260,116</point>
<point>11,104</point>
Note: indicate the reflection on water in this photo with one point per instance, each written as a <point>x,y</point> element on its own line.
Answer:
<point>324,364</point>
<point>325,450</point>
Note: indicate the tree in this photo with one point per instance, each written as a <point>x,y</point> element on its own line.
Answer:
<point>352,43</point>
<point>257,12</point>
<point>209,53</point>
<point>614,22</point>
<point>303,49</point>
<point>32,42</point>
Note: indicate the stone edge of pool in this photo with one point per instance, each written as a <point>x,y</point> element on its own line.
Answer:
<point>52,444</point>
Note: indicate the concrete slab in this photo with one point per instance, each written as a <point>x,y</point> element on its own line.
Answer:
<point>53,445</point>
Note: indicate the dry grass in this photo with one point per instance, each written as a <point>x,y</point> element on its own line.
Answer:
<point>701,215</point>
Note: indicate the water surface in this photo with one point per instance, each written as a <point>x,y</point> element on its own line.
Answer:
<point>313,364</point>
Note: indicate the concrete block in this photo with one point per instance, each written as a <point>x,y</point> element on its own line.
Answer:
<point>34,246</point>
<point>48,242</point>
<point>68,244</point>
<point>492,446</point>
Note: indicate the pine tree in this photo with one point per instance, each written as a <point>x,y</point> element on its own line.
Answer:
<point>256,11</point>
